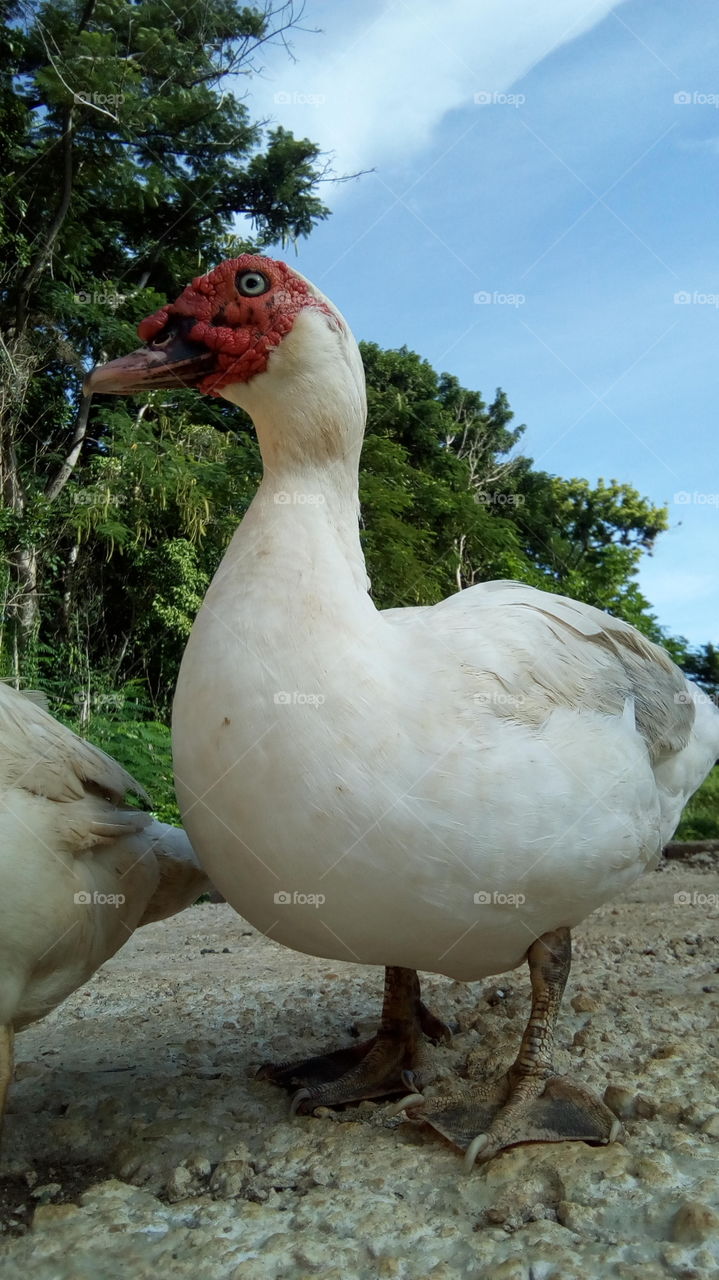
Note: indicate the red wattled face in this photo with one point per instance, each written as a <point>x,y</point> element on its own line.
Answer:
<point>221,330</point>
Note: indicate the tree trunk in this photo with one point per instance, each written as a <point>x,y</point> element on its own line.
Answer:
<point>26,606</point>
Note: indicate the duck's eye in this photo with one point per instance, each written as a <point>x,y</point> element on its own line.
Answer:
<point>251,283</point>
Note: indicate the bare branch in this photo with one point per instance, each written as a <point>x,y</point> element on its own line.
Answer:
<point>66,468</point>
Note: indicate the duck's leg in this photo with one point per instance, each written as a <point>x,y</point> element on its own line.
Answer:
<point>7,1038</point>
<point>373,1069</point>
<point>529,1103</point>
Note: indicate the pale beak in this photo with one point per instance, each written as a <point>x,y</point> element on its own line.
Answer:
<point>174,363</point>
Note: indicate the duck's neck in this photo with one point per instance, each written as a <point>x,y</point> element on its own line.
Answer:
<point>309,518</point>
<point>304,520</point>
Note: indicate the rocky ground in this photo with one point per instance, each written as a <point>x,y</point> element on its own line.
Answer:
<point>138,1143</point>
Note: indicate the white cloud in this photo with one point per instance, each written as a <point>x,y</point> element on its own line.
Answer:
<point>374,89</point>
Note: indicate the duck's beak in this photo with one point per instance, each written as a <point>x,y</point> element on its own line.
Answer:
<point>175,363</point>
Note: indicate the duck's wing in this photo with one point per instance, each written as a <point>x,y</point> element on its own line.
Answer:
<point>526,652</point>
<point>43,758</point>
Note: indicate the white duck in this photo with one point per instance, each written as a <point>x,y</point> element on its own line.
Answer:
<point>79,868</point>
<point>450,788</point>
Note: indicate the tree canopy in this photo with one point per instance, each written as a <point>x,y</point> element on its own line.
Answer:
<point>131,156</point>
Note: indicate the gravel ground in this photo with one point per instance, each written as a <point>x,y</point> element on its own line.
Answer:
<point>137,1142</point>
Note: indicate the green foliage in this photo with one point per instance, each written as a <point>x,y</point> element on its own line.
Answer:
<point>700,820</point>
<point>129,156</point>
<point>120,725</point>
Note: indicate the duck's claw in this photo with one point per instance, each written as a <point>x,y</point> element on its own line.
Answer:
<point>433,1027</point>
<point>485,1119</point>
<point>376,1068</point>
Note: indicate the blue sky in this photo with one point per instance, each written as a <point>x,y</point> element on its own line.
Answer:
<point>578,185</point>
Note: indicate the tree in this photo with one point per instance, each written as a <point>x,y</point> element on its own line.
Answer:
<point>130,155</point>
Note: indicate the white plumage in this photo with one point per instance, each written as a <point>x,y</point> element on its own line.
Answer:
<point>503,742</point>
<point>80,869</point>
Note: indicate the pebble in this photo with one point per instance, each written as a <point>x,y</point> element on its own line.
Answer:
<point>46,1192</point>
<point>582,1003</point>
<point>188,1179</point>
<point>230,1179</point>
<point>693,1223</point>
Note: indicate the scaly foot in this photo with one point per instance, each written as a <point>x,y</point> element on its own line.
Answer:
<point>484,1119</point>
<point>530,1102</point>
<point>376,1068</point>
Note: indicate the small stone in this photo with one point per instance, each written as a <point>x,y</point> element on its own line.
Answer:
<point>48,1216</point>
<point>711,1125</point>
<point>646,1107</point>
<point>694,1222</point>
<point>577,1217</point>
<point>188,1179</point>
<point>668,1051</point>
<point>229,1179</point>
<point>621,1101</point>
<point>694,1115</point>
<point>584,1004</point>
<point>26,1070</point>
<point>510,1269</point>
<point>46,1192</point>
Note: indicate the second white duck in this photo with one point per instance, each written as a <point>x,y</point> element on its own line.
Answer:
<point>80,868</point>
